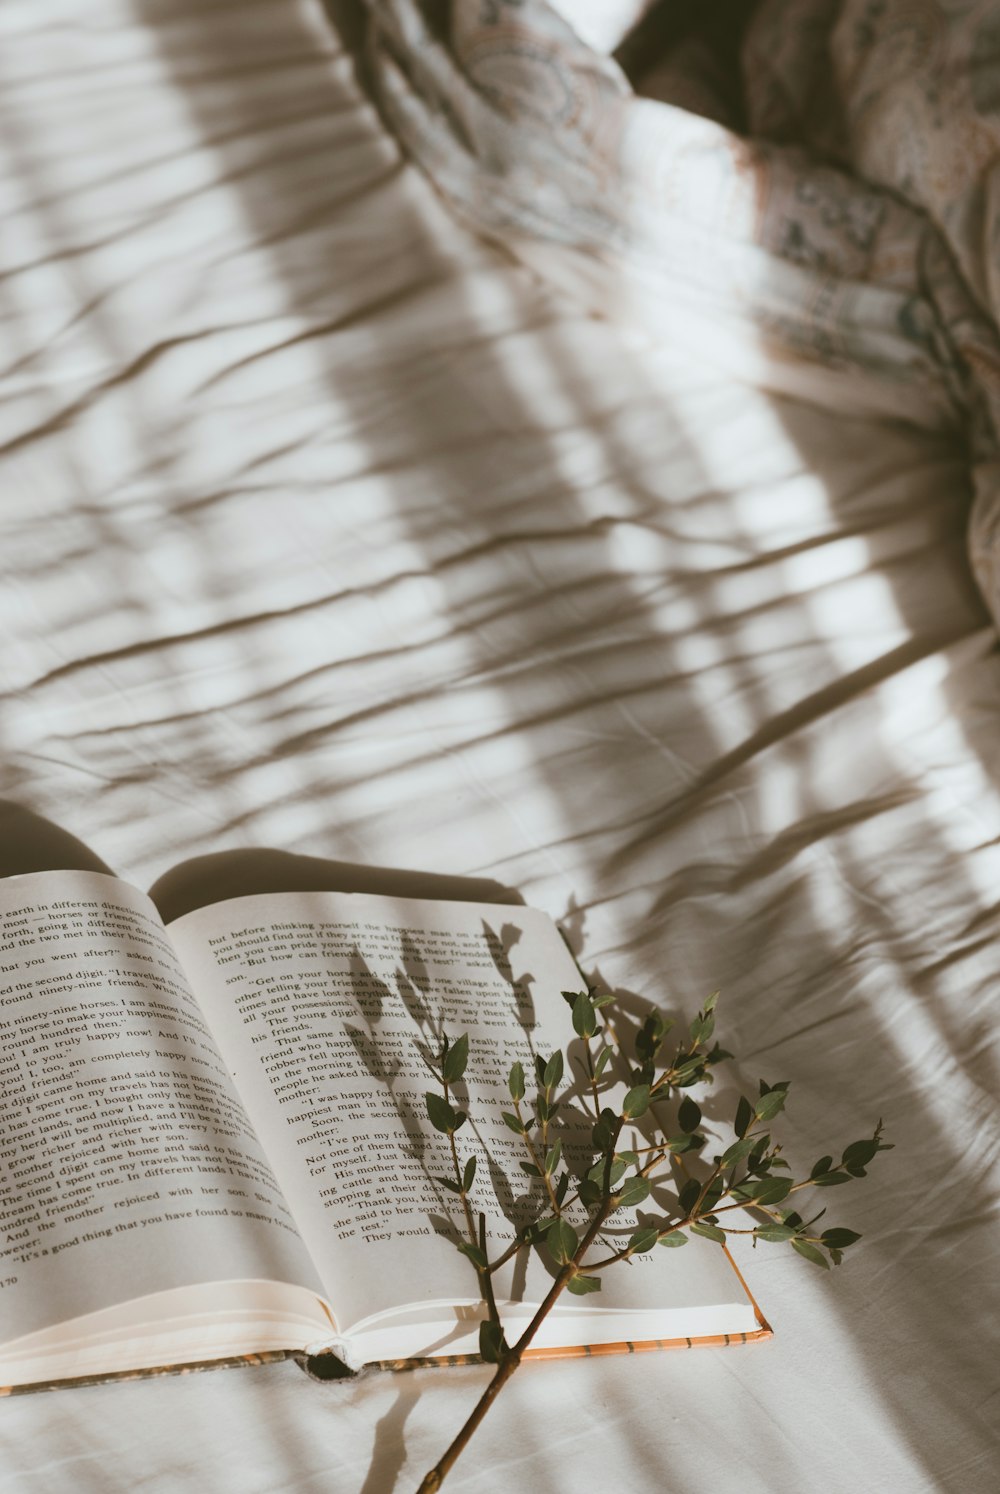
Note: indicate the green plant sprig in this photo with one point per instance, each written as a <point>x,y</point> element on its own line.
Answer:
<point>580,1207</point>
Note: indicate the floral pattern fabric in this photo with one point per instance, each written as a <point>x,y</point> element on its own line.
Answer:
<point>847,246</point>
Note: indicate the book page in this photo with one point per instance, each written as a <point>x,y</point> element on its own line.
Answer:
<point>127,1162</point>
<point>327,1006</point>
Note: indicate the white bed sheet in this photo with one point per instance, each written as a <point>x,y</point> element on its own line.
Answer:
<point>325,527</point>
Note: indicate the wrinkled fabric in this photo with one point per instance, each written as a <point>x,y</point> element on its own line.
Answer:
<point>326,526</point>
<point>780,255</point>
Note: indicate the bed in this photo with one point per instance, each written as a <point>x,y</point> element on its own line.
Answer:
<point>346,510</point>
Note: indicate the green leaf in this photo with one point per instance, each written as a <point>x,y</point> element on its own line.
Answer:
<point>689,1115</point>
<point>769,1104</point>
<point>744,1116</point>
<point>491,1341</point>
<point>655,1025</point>
<point>631,1159</point>
<point>680,1144</point>
<point>469,1174</point>
<point>553,1071</point>
<point>442,1117</point>
<point>513,1122</point>
<point>859,1154</point>
<point>738,1150</point>
<point>455,1059</point>
<point>602,1061</point>
<point>618,1171</point>
<point>460,1119</point>
<point>831,1179</point>
<point>642,1240</point>
<point>604,1128</point>
<point>742,1192</point>
<point>636,1102</point>
<point>634,1191</point>
<point>689,1195</point>
<point>709,1005</point>
<point>713,1193</point>
<point>562,1187</point>
<point>819,1168</point>
<point>601,998</point>
<point>650,1036</point>
<point>474,1254</point>
<point>688,1071</point>
<point>581,1285</point>
<point>772,1190</point>
<point>562,1241</point>
<point>552,1159</point>
<point>590,1192</point>
<point>584,1016</point>
<point>710,1232</point>
<point>530,1169</point>
<point>774,1232</point>
<point>515,1082</point>
<point>671,1241</point>
<point>688,1080</point>
<point>448,1183</point>
<point>757,1158</point>
<point>811,1253</point>
<point>702,1028</point>
<point>839,1239</point>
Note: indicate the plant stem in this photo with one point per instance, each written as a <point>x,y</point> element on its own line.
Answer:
<point>538,1161</point>
<point>593,1081</point>
<point>485,1277</point>
<point>482,1272</point>
<point>512,1359</point>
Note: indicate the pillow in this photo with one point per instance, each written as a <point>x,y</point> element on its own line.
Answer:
<point>909,97</point>
<point>602,24</point>
<point>786,265</point>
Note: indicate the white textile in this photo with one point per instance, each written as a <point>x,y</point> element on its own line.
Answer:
<point>326,526</point>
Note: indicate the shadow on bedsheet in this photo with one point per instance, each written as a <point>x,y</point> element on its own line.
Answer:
<point>853,922</point>
<point>725,887</point>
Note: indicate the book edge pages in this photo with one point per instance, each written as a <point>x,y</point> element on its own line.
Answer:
<point>110,1377</point>
<point>760,1334</point>
<point>308,1362</point>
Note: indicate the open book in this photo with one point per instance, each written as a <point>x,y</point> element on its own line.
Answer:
<point>214,1143</point>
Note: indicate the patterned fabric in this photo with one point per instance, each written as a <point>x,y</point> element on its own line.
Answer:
<point>914,106</point>
<point>849,244</point>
